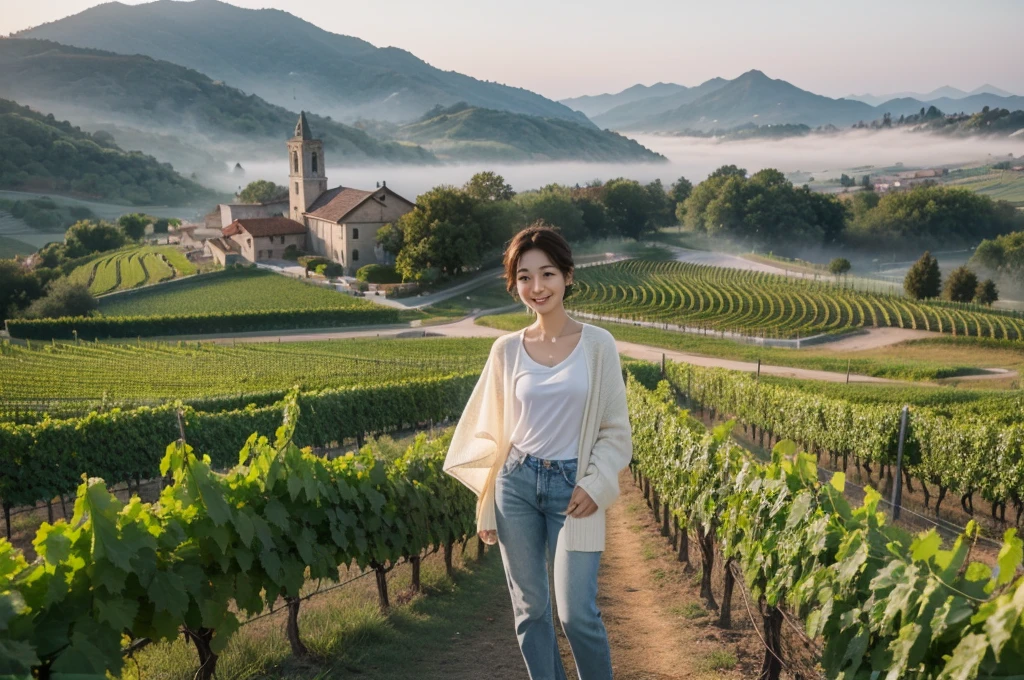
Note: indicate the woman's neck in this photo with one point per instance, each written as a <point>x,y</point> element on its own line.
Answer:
<point>553,323</point>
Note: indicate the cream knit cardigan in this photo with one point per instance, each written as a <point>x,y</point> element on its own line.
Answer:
<point>481,444</point>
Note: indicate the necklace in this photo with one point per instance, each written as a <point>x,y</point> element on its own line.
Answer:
<point>561,331</point>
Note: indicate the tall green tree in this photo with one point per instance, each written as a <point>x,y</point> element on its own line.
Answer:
<point>134,225</point>
<point>661,207</point>
<point>440,235</point>
<point>554,205</point>
<point>89,236</point>
<point>839,266</point>
<point>961,285</point>
<point>986,292</point>
<point>628,207</point>
<point>489,186</point>
<point>923,279</point>
<point>18,288</point>
<point>262,191</point>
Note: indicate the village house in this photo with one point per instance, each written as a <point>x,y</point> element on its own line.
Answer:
<point>340,224</point>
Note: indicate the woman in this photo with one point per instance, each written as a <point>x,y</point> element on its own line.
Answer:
<point>541,442</point>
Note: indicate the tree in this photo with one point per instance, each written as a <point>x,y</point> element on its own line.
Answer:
<point>923,280</point>
<point>839,266</point>
<point>63,298</point>
<point>134,225</point>
<point>87,236</point>
<point>986,292</point>
<point>662,209</point>
<point>440,234</point>
<point>554,206</point>
<point>680,191</point>
<point>18,287</point>
<point>262,191</point>
<point>161,225</point>
<point>961,286</point>
<point>628,207</point>
<point>489,186</point>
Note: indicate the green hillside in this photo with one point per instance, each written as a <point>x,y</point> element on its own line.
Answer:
<point>464,132</point>
<point>40,153</point>
<point>157,96</point>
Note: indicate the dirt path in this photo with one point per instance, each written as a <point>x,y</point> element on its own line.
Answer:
<point>657,627</point>
<point>873,338</point>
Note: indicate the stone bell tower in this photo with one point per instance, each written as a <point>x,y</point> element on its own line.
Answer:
<point>306,178</point>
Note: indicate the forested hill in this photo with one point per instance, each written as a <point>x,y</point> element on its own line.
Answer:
<point>288,61</point>
<point>40,153</point>
<point>464,132</point>
<point>158,96</point>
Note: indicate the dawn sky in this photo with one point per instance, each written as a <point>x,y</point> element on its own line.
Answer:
<point>568,48</point>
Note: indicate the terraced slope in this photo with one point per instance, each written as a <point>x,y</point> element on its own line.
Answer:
<point>762,304</point>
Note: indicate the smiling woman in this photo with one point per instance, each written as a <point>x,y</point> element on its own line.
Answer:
<point>541,442</point>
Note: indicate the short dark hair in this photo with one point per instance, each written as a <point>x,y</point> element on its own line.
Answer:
<point>542,237</point>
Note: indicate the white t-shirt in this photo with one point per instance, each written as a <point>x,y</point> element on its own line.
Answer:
<point>548,408</point>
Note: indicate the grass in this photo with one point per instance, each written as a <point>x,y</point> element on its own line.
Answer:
<point>1002,185</point>
<point>719,660</point>
<point>489,295</point>
<point>348,636</point>
<point>231,290</point>
<point>690,611</point>
<point>918,360</point>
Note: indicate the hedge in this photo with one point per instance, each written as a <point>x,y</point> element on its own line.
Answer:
<point>93,327</point>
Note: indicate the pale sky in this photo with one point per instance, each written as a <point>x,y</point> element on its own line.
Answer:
<point>565,48</point>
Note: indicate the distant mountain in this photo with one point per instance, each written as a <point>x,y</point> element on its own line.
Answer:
<point>288,61</point>
<point>40,153</point>
<point>627,116</point>
<point>945,92</point>
<point>594,105</point>
<point>162,108</point>
<point>755,98</point>
<point>463,132</point>
<point>970,104</point>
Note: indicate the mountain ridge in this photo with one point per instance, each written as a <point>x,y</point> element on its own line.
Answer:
<point>274,54</point>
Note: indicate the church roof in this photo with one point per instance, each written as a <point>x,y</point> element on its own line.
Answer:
<point>265,226</point>
<point>334,204</point>
<point>302,130</point>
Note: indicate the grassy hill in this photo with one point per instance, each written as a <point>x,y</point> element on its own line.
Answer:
<point>157,96</point>
<point>40,153</point>
<point>465,132</point>
<point>288,61</point>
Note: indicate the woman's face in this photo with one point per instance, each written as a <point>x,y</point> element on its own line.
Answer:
<point>539,283</point>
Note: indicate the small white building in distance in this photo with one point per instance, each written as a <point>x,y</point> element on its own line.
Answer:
<point>340,224</point>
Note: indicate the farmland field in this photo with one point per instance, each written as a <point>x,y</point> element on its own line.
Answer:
<point>131,268</point>
<point>999,185</point>
<point>760,304</point>
<point>152,372</point>
<point>242,290</point>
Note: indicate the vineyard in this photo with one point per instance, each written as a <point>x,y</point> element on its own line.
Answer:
<point>68,377</point>
<point>230,291</point>
<point>970,448</point>
<point>767,305</point>
<point>871,600</point>
<point>219,548</point>
<point>125,269</point>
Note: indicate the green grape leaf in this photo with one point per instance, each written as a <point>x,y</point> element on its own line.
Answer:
<point>966,658</point>
<point>167,593</point>
<point>276,514</point>
<point>838,481</point>
<point>1006,616</point>
<point>925,546</point>
<point>118,613</point>
<point>53,543</point>
<point>1010,557</point>
<point>244,526</point>
<point>212,494</point>
<point>81,659</point>
<point>17,659</point>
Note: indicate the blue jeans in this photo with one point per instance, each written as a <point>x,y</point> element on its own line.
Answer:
<point>531,496</point>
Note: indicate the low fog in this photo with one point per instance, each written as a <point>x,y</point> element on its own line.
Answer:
<point>823,156</point>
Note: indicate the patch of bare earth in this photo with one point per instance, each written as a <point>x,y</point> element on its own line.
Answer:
<point>657,625</point>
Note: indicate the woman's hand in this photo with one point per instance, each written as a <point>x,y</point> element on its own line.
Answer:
<point>490,536</point>
<point>581,504</point>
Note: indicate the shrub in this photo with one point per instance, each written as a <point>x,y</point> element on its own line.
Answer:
<point>986,293</point>
<point>378,273</point>
<point>293,253</point>
<point>961,285</point>
<point>63,299</point>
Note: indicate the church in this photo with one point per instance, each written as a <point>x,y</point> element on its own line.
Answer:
<point>340,224</point>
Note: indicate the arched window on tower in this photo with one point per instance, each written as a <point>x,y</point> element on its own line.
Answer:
<point>316,163</point>
<point>295,162</point>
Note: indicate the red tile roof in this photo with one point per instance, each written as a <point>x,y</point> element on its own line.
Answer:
<point>265,226</point>
<point>334,204</point>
